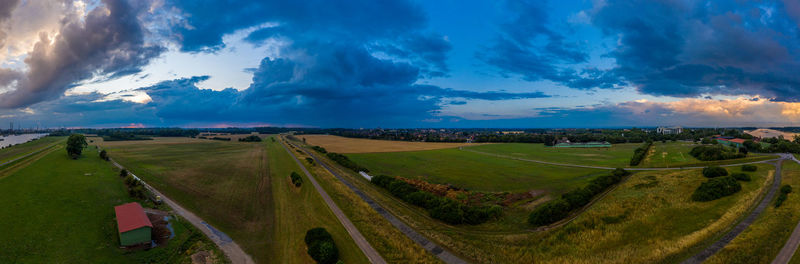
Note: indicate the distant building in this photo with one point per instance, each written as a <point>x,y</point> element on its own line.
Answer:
<point>594,144</point>
<point>669,130</point>
<point>730,141</point>
<point>133,225</point>
<point>511,132</point>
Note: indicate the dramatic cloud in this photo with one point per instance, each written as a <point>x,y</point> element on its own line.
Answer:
<point>5,13</point>
<point>108,42</point>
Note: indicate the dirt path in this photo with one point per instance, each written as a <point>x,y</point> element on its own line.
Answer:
<point>430,246</point>
<point>223,241</point>
<point>609,168</point>
<point>361,241</point>
<point>788,250</point>
<point>741,226</point>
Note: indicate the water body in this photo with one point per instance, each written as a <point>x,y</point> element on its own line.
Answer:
<point>10,140</point>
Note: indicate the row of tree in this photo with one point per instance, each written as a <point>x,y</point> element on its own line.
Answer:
<point>640,153</point>
<point>558,209</point>
<point>441,208</point>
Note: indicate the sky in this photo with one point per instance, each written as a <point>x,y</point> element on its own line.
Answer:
<point>405,63</point>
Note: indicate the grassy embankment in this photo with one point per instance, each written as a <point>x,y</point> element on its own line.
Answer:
<point>59,210</point>
<point>238,187</point>
<point>762,241</point>
<point>16,151</point>
<point>393,245</point>
<point>628,225</point>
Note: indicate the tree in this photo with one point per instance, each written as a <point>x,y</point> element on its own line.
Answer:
<point>75,145</point>
<point>104,155</point>
<point>123,173</point>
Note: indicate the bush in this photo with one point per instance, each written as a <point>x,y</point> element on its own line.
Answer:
<point>321,247</point>
<point>319,149</point>
<point>749,168</point>
<point>716,188</point>
<point>556,210</point>
<point>714,171</point>
<point>345,162</point>
<point>715,152</point>
<point>296,179</point>
<point>104,155</point>
<point>123,173</point>
<point>620,172</point>
<point>786,189</point>
<point>250,138</point>
<point>310,161</point>
<point>640,153</point>
<point>549,212</point>
<point>741,176</point>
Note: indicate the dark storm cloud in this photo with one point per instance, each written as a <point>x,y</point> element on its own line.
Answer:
<point>674,48</point>
<point>108,42</point>
<point>6,7</point>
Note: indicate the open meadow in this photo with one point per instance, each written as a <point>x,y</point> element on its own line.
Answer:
<point>648,218</point>
<point>241,188</point>
<point>16,151</point>
<point>59,210</point>
<point>361,145</point>
<point>618,155</point>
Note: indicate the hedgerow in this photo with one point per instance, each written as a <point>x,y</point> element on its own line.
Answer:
<point>713,172</point>
<point>345,162</point>
<point>715,152</point>
<point>716,188</point>
<point>785,190</point>
<point>640,153</point>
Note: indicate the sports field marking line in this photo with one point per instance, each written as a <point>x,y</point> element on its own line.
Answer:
<point>358,238</point>
<point>225,243</point>
<point>430,246</point>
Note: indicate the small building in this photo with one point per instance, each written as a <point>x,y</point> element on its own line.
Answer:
<point>733,142</point>
<point>593,144</point>
<point>133,225</point>
<point>669,130</point>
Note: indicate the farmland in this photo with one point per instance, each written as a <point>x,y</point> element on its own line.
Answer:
<point>238,187</point>
<point>59,210</point>
<point>358,145</point>
<point>619,155</point>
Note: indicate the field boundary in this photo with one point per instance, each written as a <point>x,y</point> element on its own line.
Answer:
<point>430,246</point>
<point>358,238</point>
<point>232,250</point>
<point>790,247</point>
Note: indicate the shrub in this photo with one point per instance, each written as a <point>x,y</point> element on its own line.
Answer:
<point>716,188</point>
<point>741,176</point>
<point>296,179</point>
<point>319,149</point>
<point>549,212</point>
<point>345,162</point>
<point>448,211</point>
<point>310,161</point>
<point>713,172</point>
<point>321,247</point>
<point>250,138</point>
<point>620,172</point>
<point>123,173</point>
<point>749,168</point>
<point>786,189</point>
<point>715,152</point>
<point>640,153</point>
<point>104,155</point>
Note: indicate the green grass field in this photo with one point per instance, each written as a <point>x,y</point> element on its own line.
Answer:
<point>648,218</point>
<point>15,151</point>
<point>59,210</point>
<point>241,188</point>
<point>618,155</point>
<point>475,171</point>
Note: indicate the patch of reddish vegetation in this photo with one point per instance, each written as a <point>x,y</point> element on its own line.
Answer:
<point>471,197</point>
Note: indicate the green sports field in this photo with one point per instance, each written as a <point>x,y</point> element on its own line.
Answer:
<point>475,171</point>
<point>59,210</point>
<point>618,155</point>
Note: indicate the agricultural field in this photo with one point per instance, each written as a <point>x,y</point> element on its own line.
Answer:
<point>475,171</point>
<point>629,225</point>
<point>238,187</point>
<point>59,210</point>
<point>15,151</point>
<point>359,145</point>
<point>676,154</point>
<point>618,155</point>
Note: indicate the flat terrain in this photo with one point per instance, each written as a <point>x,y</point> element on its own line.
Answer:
<point>359,145</point>
<point>670,154</point>
<point>59,210</point>
<point>15,151</point>
<point>618,155</point>
<point>475,171</point>
<point>238,187</point>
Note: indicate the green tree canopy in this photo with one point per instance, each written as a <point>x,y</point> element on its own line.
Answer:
<point>75,145</point>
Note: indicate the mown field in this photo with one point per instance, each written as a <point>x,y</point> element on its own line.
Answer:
<point>16,151</point>
<point>359,145</point>
<point>475,171</point>
<point>618,155</point>
<point>649,218</point>
<point>59,210</point>
<point>762,241</point>
<point>241,188</point>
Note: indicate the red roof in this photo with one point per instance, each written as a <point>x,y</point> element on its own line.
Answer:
<point>737,140</point>
<point>131,216</point>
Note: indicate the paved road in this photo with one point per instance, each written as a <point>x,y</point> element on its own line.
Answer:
<point>228,246</point>
<point>788,250</point>
<point>361,241</point>
<point>610,168</point>
<point>739,228</point>
<point>430,246</point>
